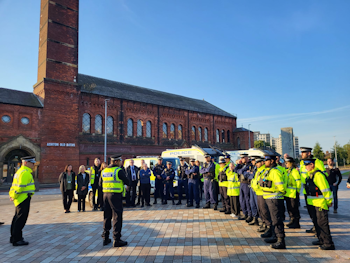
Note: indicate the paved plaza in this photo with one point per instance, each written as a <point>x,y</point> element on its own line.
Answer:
<point>162,234</point>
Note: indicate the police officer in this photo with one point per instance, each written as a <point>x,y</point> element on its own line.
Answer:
<point>168,176</point>
<point>319,198</point>
<point>250,173</point>
<point>193,184</point>
<point>201,181</point>
<point>223,184</point>
<point>113,179</point>
<point>21,191</point>
<point>182,184</point>
<point>208,172</point>
<point>292,193</point>
<point>273,186</point>
<point>159,187</point>
<point>233,187</point>
<point>244,196</point>
<point>95,174</point>
<point>306,154</point>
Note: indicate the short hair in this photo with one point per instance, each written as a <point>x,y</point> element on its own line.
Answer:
<point>80,167</point>
<point>97,158</point>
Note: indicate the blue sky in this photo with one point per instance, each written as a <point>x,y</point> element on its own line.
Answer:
<point>272,63</point>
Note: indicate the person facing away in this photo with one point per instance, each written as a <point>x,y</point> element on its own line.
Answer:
<point>67,186</point>
<point>82,187</point>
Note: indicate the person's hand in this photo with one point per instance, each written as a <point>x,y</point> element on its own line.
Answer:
<point>11,199</point>
<point>127,188</point>
<point>330,205</point>
<point>83,188</point>
<point>159,177</point>
<point>168,178</point>
<point>335,184</point>
<point>348,185</point>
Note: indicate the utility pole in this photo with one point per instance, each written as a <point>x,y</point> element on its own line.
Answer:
<point>249,135</point>
<point>335,152</point>
<point>105,152</point>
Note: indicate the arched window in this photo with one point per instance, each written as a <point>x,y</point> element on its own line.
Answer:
<point>206,134</point>
<point>179,132</point>
<point>149,129</point>
<point>228,136</point>
<point>165,130</point>
<point>238,143</point>
<point>217,136</point>
<point>139,128</point>
<point>223,135</point>
<point>86,123</point>
<point>130,127</point>
<point>110,125</point>
<point>172,131</point>
<point>200,134</point>
<point>193,134</point>
<point>98,124</point>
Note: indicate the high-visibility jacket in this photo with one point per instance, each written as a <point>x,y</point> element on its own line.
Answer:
<point>272,184</point>
<point>323,197</point>
<point>217,170</point>
<point>201,175</point>
<point>255,181</point>
<point>233,183</point>
<point>293,183</point>
<point>110,180</point>
<point>92,175</point>
<point>304,173</point>
<point>223,169</point>
<point>22,185</point>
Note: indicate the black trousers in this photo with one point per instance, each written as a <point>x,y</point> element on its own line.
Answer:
<point>19,220</point>
<point>293,207</point>
<point>264,211</point>
<point>200,189</point>
<point>225,198</point>
<point>276,211</point>
<point>309,209</point>
<point>235,205</point>
<point>216,190</point>
<point>159,189</point>
<point>145,193</point>
<point>81,202</point>
<point>321,223</point>
<point>68,194</point>
<point>98,190</point>
<point>131,194</point>
<point>113,209</point>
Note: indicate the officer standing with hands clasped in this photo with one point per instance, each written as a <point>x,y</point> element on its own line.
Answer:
<point>208,172</point>
<point>193,184</point>
<point>168,176</point>
<point>223,184</point>
<point>159,187</point>
<point>113,179</point>
<point>182,182</point>
<point>20,193</point>
<point>319,198</point>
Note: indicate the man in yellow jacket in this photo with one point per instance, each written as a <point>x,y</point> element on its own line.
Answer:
<point>273,186</point>
<point>233,190</point>
<point>319,198</point>
<point>20,193</point>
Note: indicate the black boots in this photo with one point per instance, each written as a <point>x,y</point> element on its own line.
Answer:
<point>242,217</point>
<point>227,212</point>
<point>178,203</point>
<point>267,233</point>
<point>255,221</point>
<point>271,240</point>
<point>290,222</point>
<point>215,207</point>
<point>262,228</point>
<point>311,231</point>
<point>173,202</point>
<point>119,243</point>
<point>207,205</point>
<point>106,239</point>
<point>249,219</point>
<point>20,243</point>
<point>280,244</point>
<point>294,224</point>
<point>327,247</point>
<point>223,210</point>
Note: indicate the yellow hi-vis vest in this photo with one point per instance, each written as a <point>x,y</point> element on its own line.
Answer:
<point>22,185</point>
<point>110,180</point>
<point>255,181</point>
<point>223,183</point>
<point>275,178</point>
<point>293,183</point>
<point>304,173</point>
<point>322,201</point>
<point>233,183</point>
<point>92,175</point>
<point>201,175</point>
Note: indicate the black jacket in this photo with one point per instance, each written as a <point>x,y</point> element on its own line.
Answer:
<point>81,182</point>
<point>129,175</point>
<point>63,181</point>
<point>334,176</point>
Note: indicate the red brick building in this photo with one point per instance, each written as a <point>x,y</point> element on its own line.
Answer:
<point>63,120</point>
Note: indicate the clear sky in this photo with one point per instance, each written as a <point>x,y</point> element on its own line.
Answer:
<point>272,63</point>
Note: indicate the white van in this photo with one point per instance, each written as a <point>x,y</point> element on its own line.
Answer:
<point>250,152</point>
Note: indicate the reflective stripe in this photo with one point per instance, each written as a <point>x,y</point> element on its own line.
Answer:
<point>27,192</point>
<point>272,193</point>
<point>113,181</point>
<point>328,197</point>
<point>294,188</point>
<point>279,183</point>
<point>117,189</point>
<point>297,179</point>
<point>315,197</point>
<point>231,188</point>
<point>325,190</point>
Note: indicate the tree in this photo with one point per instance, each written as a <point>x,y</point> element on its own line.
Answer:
<point>342,153</point>
<point>317,152</point>
<point>259,144</point>
<point>347,150</point>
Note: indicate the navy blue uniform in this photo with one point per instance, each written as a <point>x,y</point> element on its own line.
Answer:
<point>250,173</point>
<point>158,191</point>
<point>193,184</point>
<point>208,172</point>
<point>168,184</point>
<point>182,183</point>
<point>244,194</point>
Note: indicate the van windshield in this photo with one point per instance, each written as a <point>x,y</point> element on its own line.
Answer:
<point>174,161</point>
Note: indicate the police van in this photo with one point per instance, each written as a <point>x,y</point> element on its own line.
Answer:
<point>251,152</point>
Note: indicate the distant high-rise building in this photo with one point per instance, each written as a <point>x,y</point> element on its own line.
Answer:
<point>296,147</point>
<point>286,143</point>
<point>265,137</point>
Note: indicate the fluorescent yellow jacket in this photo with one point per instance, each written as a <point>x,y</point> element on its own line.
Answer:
<point>324,196</point>
<point>217,170</point>
<point>272,184</point>
<point>233,183</point>
<point>304,174</point>
<point>22,185</point>
<point>201,175</point>
<point>223,183</point>
<point>110,180</point>
<point>255,181</point>
<point>293,183</point>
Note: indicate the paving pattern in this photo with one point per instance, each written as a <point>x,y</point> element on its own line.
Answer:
<point>165,234</point>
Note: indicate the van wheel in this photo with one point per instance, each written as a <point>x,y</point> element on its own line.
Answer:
<point>90,199</point>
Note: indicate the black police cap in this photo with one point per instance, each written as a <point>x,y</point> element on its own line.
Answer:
<point>207,155</point>
<point>193,160</point>
<point>30,159</point>
<point>305,149</point>
<point>308,161</point>
<point>290,159</point>
<point>116,157</point>
<point>243,155</point>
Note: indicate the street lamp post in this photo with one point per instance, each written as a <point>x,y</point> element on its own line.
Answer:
<point>335,153</point>
<point>249,135</point>
<point>105,151</point>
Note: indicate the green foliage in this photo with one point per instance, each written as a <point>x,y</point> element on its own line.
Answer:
<point>317,152</point>
<point>342,153</point>
<point>259,144</point>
